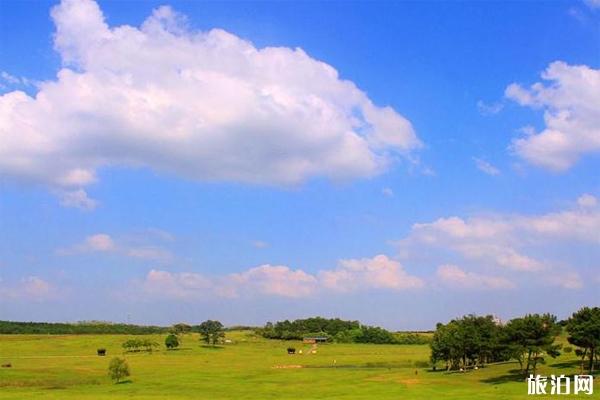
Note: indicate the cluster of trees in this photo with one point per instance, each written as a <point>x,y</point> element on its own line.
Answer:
<point>135,345</point>
<point>473,341</point>
<point>85,327</point>
<point>468,341</point>
<point>337,330</point>
<point>317,326</point>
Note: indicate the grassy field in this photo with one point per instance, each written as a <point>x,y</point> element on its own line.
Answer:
<point>67,367</point>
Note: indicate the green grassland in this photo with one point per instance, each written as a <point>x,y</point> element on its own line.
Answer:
<point>67,367</point>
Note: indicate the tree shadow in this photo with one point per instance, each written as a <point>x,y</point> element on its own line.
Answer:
<point>125,382</point>
<point>436,371</point>
<point>514,375</point>
<point>206,346</point>
<point>566,364</point>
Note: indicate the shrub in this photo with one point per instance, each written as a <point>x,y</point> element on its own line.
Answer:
<point>171,341</point>
<point>118,369</point>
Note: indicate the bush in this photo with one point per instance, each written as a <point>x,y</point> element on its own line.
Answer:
<point>118,369</point>
<point>171,342</point>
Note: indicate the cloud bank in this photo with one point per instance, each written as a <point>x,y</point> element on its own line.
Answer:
<point>353,275</point>
<point>206,106</point>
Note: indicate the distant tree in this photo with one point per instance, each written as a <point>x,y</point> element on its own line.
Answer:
<point>373,334</point>
<point>348,336</point>
<point>211,332</point>
<point>530,337</point>
<point>171,341</point>
<point>181,328</point>
<point>149,345</point>
<point>584,332</point>
<point>131,345</point>
<point>118,369</point>
<point>135,345</point>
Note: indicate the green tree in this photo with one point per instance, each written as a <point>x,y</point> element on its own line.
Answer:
<point>118,369</point>
<point>584,332</point>
<point>211,332</point>
<point>531,337</point>
<point>171,341</point>
<point>181,328</point>
<point>466,342</point>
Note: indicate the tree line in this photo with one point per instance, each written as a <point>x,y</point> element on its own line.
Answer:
<point>473,341</point>
<point>337,330</point>
<point>86,327</point>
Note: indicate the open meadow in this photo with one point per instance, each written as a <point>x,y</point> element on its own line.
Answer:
<point>250,367</point>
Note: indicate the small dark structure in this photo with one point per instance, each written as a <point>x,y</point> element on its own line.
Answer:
<point>7,365</point>
<point>101,352</point>
<point>291,350</point>
<point>315,339</point>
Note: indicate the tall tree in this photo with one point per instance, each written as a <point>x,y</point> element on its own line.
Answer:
<point>584,332</point>
<point>530,337</point>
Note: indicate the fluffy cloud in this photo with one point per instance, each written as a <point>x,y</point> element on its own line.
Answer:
<point>517,243</point>
<point>201,105</point>
<point>275,280</point>
<point>175,285</point>
<point>31,288</point>
<point>571,103</point>
<point>489,109</point>
<point>454,276</point>
<point>387,192</point>
<point>378,272</point>
<point>99,242</point>
<point>352,275</point>
<point>103,243</point>
<point>486,167</point>
<point>77,199</point>
<point>594,4</point>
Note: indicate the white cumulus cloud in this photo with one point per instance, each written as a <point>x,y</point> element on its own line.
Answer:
<point>352,275</point>
<point>379,272</point>
<point>485,167</point>
<point>104,243</point>
<point>30,288</point>
<point>454,276</point>
<point>570,100</point>
<point>519,246</point>
<point>200,105</point>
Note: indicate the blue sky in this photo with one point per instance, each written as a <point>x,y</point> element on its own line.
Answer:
<point>157,171</point>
